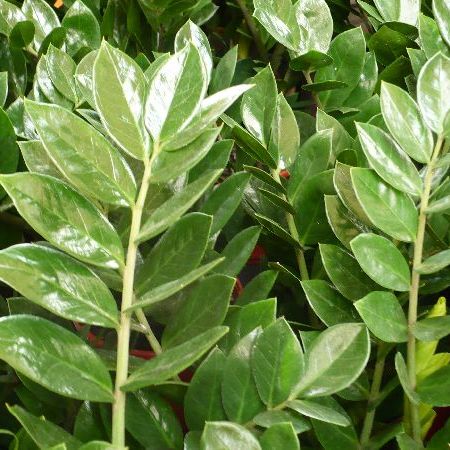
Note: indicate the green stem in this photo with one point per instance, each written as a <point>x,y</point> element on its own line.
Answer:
<point>373,396</point>
<point>414,289</point>
<point>123,338</point>
<point>314,94</point>
<point>151,338</point>
<point>253,30</point>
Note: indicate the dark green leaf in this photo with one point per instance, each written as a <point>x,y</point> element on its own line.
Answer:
<point>258,288</point>
<point>280,436</point>
<point>403,376</point>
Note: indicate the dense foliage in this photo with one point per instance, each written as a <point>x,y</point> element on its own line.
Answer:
<point>224,226</point>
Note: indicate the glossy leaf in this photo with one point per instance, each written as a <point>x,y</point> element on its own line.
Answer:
<point>336,359</point>
<point>61,69</point>
<point>433,82</point>
<point>223,74</point>
<point>44,433</point>
<point>383,315</point>
<point>405,122</point>
<point>318,412</point>
<point>37,159</point>
<point>193,317</point>
<point>441,11</point>
<point>273,417</point>
<point>58,283</point>
<point>430,37</point>
<point>203,400</point>
<point>258,288</point>
<point>83,155</point>
<point>277,363</point>
<point>119,90</point>
<point>54,358</point>
<point>280,436</point>
<point>173,361</point>
<point>345,272</point>
<point>389,160</point>
<point>240,396</point>
<point>388,209</point>
<point>405,11</point>
<point>382,261</point>
<point>226,435</point>
<point>151,421</point>
<point>43,17</point>
<point>65,218</point>
<point>327,303</point>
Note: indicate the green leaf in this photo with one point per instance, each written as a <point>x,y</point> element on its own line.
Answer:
<point>341,140</point>
<point>336,359</point>
<point>383,315</point>
<point>226,435</point>
<point>83,155</point>
<point>100,445</point>
<point>192,317</point>
<point>406,442</point>
<point>166,290</point>
<point>348,51</point>
<point>331,307</point>
<point>9,153</point>
<point>277,230</point>
<point>191,33</point>
<point>345,272</point>
<point>22,34</point>
<point>382,261</point>
<point>319,412</point>
<point>175,93</point>
<point>390,162</point>
<point>272,417</point>
<point>54,358</point>
<point>435,388</point>
<point>58,283</point>
<point>173,361</point>
<point>435,263</point>
<point>402,372</point>
<point>433,82</point>
<point>238,251</point>
<point>432,329</point>
<point>280,436</point>
<point>177,253</point>
<point>3,88</point>
<point>151,421</point>
<point>284,142</point>
<point>65,218</point>
<point>277,363</point>
<point>61,70</point>
<point>82,28</point>
<point>203,400</point>
<point>310,61</point>
<point>43,17</point>
<point>225,199</point>
<point>44,433</point>
<point>405,11</point>
<point>441,10</point>
<point>388,209</point>
<point>405,122</point>
<point>258,288</point>
<point>119,90</point>
<point>430,38</point>
<point>10,16</point>
<point>37,159</point>
<point>84,75</point>
<point>239,392</point>
<point>324,86</point>
<point>259,104</point>
<point>343,222</point>
<point>222,75</point>
<point>276,200</point>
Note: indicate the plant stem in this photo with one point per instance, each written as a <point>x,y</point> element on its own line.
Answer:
<point>253,30</point>
<point>373,396</point>
<point>151,338</point>
<point>123,339</point>
<point>414,289</point>
<point>314,94</point>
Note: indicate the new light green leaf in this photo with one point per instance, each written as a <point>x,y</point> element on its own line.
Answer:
<point>83,155</point>
<point>173,361</point>
<point>119,90</point>
<point>336,359</point>
<point>432,85</point>
<point>44,434</point>
<point>435,389</point>
<point>432,328</point>
<point>383,315</point>
<point>54,358</point>
<point>403,118</point>
<point>389,161</point>
<point>65,218</point>
<point>175,93</point>
<point>382,261</point>
<point>58,283</point>
<point>227,435</point>
<point>277,363</point>
<point>392,211</point>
